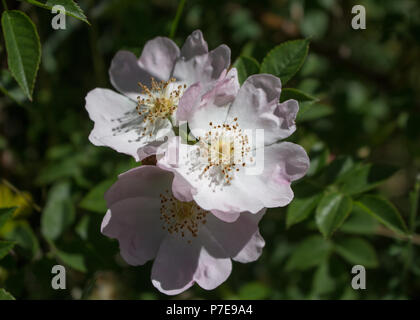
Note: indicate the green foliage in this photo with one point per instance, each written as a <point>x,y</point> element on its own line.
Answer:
<point>6,214</point>
<point>59,211</point>
<point>23,48</point>
<point>286,59</point>
<point>383,211</point>
<point>306,199</point>
<point>357,251</point>
<point>72,9</point>
<point>246,67</point>
<point>5,247</point>
<point>4,295</point>
<point>331,212</point>
<point>94,200</point>
<point>311,252</point>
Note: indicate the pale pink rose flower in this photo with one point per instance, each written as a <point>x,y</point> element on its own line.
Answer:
<point>188,244</point>
<point>228,171</point>
<point>144,114</point>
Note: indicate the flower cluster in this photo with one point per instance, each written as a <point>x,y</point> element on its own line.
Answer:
<point>220,162</point>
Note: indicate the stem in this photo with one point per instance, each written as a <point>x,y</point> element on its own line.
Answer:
<point>176,20</point>
<point>4,4</point>
<point>414,197</point>
<point>382,231</point>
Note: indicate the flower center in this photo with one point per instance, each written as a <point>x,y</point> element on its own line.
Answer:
<point>158,102</point>
<point>225,149</point>
<point>182,218</point>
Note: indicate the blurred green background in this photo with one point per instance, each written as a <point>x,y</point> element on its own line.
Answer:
<point>368,86</point>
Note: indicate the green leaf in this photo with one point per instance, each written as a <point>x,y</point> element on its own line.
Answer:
<point>309,111</point>
<point>305,200</point>
<point>59,211</point>
<point>254,291</point>
<point>23,235</point>
<point>4,295</point>
<point>246,66</point>
<point>384,211</point>
<point>290,93</point>
<point>23,49</point>
<point>338,168</point>
<point>5,247</point>
<point>331,212</point>
<point>72,8</point>
<point>362,178</point>
<point>6,214</point>
<point>94,200</point>
<point>322,282</point>
<point>311,252</point>
<point>357,251</point>
<point>359,222</point>
<point>73,260</point>
<point>286,59</point>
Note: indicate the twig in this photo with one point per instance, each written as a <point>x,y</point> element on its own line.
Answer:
<point>176,20</point>
<point>382,231</point>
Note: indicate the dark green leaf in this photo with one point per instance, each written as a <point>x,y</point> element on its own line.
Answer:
<point>322,282</point>
<point>73,260</point>
<point>72,9</point>
<point>5,247</point>
<point>4,295</point>
<point>58,213</point>
<point>357,251</point>
<point>359,222</point>
<point>23,235</point>
<point>309,111</point>
<point>364,177</point>
<point>311,252</point>
<point>286,59</point>
<point>290,93</point>
<point>331,212</point>
<point>23,49</point>
<point>338,168</point>
<point>6,214</point>
<point>254,291</point>
<point>384,211</point>
<point>306,198</point>
<point>94,200</point>
<point>246,66</point>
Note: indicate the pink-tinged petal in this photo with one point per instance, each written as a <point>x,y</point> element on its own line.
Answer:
<point>125,73</point>
<point>189,100</point>
<point>222,198</point>
<point>283,163</point>
<point>214,264</point>
<point>116,121</point>
<point>289,159</point>
<point>195,45</point>
<point>204,68</point>
<point>145,181</point>
<point>175,264</point>
<point>238,238</point>
<point>226,216</point>
<point>159,56</point>
<point>252,250</point>
<point>135,223</point>
<point>152,148</point>
<point>287,111</point>
<point>256,107</point>
<point>200,108</point>
<point>182,189</point>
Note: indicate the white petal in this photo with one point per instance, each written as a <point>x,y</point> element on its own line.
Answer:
<point>117,123</point>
